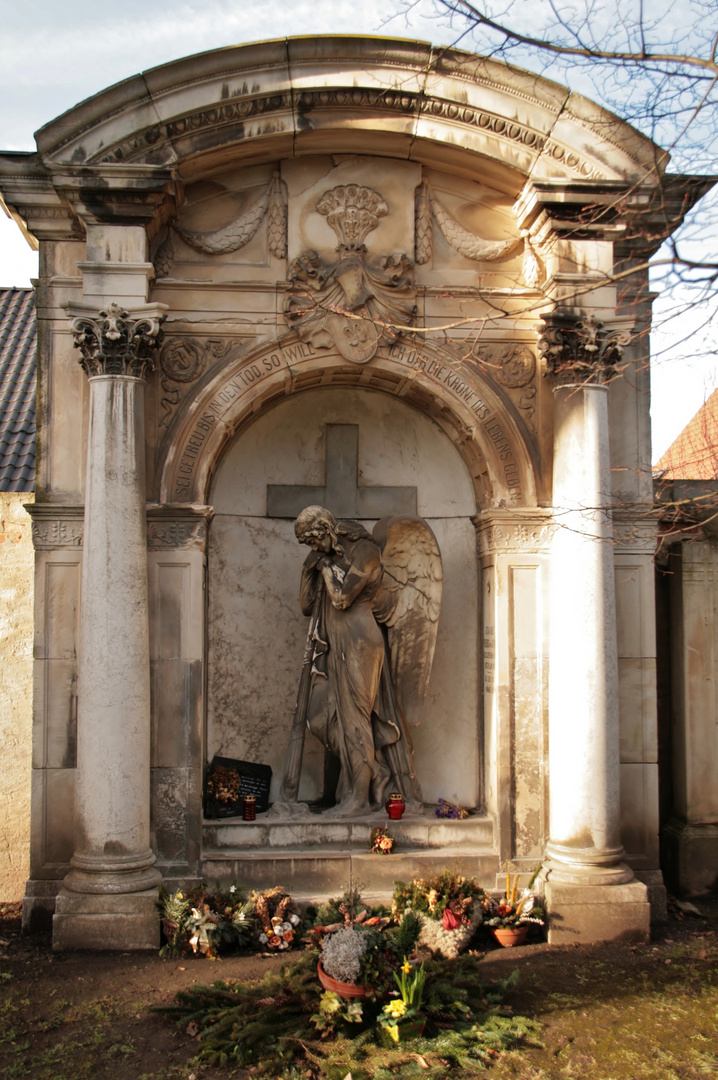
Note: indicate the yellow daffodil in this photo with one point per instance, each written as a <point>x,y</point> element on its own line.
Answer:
<point>395,1008</point>
<point>406,967</point>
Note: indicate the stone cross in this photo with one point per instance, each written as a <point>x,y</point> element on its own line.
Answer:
<point>341,492</point>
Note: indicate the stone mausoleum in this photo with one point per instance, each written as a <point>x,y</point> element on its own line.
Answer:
<point>379,277</point>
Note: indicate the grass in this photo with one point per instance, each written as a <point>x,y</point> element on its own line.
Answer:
<point>614,1012</point>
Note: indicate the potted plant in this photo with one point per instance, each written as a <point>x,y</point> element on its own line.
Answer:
<point>401,1018</point>
<point>510,916</point>
<point>339,967</point>
<point>449,906</point>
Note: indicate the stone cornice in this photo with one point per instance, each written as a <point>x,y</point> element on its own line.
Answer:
<point>173,528</point>
<point>508,532</point>
<point>27,191</point>
<point>279,91</point>
<point>637,217</point>
<point>56,526</point>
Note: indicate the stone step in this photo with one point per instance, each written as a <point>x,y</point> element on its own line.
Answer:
<point>312,833</point>
<point>315,857</point>
<point>320,873</point>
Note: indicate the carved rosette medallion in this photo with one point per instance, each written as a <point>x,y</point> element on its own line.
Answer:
<point>581,350</point>
<point>351,304</point>
<point>513,366</point>
<point>114,342</point>
<point>183,360</point>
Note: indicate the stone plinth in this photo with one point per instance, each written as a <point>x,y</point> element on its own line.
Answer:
<point>588,913</point>
<point>117,923</point>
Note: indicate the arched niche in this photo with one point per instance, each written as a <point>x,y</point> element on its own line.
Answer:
<point>473,412</point>
<point>255,628</point>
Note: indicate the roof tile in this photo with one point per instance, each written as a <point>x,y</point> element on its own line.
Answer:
<point>18,376</point>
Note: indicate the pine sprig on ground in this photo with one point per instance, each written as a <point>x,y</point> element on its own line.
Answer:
<point>268,1025</point>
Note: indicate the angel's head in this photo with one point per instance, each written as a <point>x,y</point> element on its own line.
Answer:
<point>318,528</point>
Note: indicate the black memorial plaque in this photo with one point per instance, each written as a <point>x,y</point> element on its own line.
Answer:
<point>256,780</point>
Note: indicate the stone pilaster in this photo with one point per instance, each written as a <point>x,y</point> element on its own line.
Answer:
<point>514,547</point>
<point>108,896</point>
<point>584,851</point>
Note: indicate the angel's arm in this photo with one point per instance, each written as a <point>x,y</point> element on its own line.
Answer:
<point>307,589</point>
<point>343,592</point>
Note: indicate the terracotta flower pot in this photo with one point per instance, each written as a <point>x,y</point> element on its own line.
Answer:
<point>510,935</point>
<point>343,989</point>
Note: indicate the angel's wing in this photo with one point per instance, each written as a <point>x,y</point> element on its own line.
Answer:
<point>408,603</point>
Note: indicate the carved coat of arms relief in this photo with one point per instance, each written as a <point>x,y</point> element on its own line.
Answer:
<point>353,302</point>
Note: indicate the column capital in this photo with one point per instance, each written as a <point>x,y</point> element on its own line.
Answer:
<point>580,348</point>
<point>117,341</point>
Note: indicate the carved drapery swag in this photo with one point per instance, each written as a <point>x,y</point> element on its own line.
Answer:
<point>581,349</point>
<point>114,342</point>
<point>272,203</point>
<point>351,303</point>
<point>460,239</point>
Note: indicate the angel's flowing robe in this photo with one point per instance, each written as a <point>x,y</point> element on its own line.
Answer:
<point>352,708</point>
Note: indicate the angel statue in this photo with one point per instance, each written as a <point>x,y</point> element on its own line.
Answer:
<point>373,602</point>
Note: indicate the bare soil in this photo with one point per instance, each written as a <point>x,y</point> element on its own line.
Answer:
<point>608,1012</point>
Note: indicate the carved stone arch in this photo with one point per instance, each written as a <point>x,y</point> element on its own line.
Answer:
<point>472,413</point>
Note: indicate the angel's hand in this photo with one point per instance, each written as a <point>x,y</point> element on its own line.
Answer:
<point>313,560</point>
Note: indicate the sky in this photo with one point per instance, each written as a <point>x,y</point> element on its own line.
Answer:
<point>54,55</point>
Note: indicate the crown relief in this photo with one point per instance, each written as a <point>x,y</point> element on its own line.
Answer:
<point>352,212</point>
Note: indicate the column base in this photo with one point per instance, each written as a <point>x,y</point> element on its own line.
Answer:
<point>588,913</point>
<point>133,873</point>
<point>587,866</point>
<point>689,857</point>
<point>118,922</point>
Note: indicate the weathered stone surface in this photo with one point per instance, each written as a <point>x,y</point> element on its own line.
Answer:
<point>206,185</point>
<point>254,566</point>
<point>116,923</point>
<point>15,692</point>
<point>585,914</point>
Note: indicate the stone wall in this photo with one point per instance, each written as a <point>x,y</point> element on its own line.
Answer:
<point>16,593</point>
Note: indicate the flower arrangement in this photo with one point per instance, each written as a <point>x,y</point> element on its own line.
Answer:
<point>278,921</point>
<point>513,909</point>
<point>381,843</point>
<point>208,922</point>
<point>406,1008</point>
<point>448,892</point>
<point>445,809</point>
<point>450,907</point>
<point>222,789</point>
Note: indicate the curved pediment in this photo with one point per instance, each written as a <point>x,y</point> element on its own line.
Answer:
<point>443,108</point>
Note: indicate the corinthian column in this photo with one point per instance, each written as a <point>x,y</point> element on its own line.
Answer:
<point>108,896</point>
<point>584,851</point>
